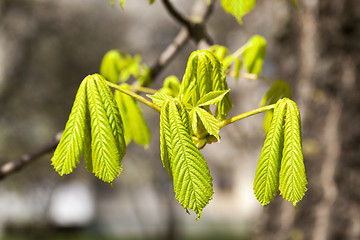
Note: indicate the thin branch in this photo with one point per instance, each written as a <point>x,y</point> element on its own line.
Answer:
<point>177,15</point>
<point>197,33</point>
<point>14,166</point>
<point>169,53</point>
<point>245,115</point>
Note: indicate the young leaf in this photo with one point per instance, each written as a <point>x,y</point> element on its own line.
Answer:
<point>159,98</point>
<point>171,86</point>
<point>109,67</point>
<point>165,137</point>
<point>266,183</point>
<point>238,8</point>
<point>219,51</point>
<point>191,176</point>
<point>292,173</point>
<point>212,97</point>
<point>254,54</point>
<point>135,126</point>
<point>71,146</point>
<point>210,123</point>
<point>204,73</point>
<point>278,90</point>
<point>237,67</point>
<point>107,134</point>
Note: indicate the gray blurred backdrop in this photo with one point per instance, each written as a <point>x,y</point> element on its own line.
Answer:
<point>48,47</point>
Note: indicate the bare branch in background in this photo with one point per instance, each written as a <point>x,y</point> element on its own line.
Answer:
<point>169,53</point>
<point>14,166</point>
<point>194,29</point>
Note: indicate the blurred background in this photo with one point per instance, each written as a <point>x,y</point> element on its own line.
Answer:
<point>48,47</point>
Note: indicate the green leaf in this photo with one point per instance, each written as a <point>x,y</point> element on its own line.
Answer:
<point>191,176</point>
<point>135,126</point>
<point>71,146</point>
<point>117,66</point>
<point>278,90</point>
<point>212,97</point>
<point>151,1</point>
<point>165,137</point>
<point>238,8</point>
<point>204,73</point>
<point>292,173</point>
<point>237,67</point>
<point>109,67</point>
<point>266,183</point>
<point>210,123</point>
<point>219,51</point>
<point>107,134</point>
<point>171,86</point>
<point>254,54</point>
<point>159,98</point>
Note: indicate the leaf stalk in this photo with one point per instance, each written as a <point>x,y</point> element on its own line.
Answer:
<point>136,96</point>
<point>245,115</point>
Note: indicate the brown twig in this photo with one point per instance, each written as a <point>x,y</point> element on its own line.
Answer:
<point>193,30</point>
<point>168,54</point>
<point>14,166</point>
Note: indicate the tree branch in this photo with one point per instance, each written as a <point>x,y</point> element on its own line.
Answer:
<point>196,26</point>
<point>14,166</point>
<point>194,30</point>
<point>176,15</point>
<point>169,53</point>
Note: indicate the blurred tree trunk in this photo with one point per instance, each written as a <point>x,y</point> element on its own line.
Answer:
<point>319,50</point>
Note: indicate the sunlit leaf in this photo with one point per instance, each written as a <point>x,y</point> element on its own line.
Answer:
<point>254,54</point>
<point>238,8</point>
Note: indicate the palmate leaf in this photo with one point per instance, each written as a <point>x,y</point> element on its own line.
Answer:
<point>71,146</point>
<point>191,176</point>
<point>204,73</point>
<point>238,8</point>
<point>266,183</point>
<point>107,134</point>
<point>135,126</point>
<point>292,173</point>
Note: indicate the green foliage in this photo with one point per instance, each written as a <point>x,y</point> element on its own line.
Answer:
<point>254,54</point>
<point>135,126</point>
<point>238,8</point>
<point>71,146</point>
<point>266,183</point>
<point>191,176</point>
<point>95,128</point>
<point>292,173</point>
<point>171,86</point>
<point>117,66</point>
<point>282,152</point>
<point>204,73</point>
<point>219,51</point>
<point>279,89</point>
